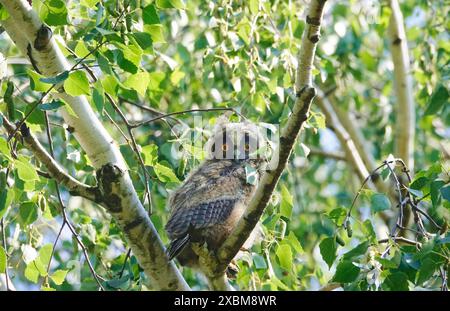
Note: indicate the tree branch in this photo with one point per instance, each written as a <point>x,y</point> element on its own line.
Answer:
<point>347,142</point>
<point>405,131</point>
<point>118,195</point>
<point>401,239</point>
<point>405,108</point>
<point>53,167</point>
<point>338,156</point>
<point>305,94</point>
<point>354,147</point>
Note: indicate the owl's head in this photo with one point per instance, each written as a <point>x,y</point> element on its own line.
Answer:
<point>244,141</point>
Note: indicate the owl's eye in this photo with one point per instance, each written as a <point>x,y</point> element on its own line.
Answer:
<point>225,147</point>
<point>247,147</point>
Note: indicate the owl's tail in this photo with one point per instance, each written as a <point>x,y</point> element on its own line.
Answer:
<point>177,245</point>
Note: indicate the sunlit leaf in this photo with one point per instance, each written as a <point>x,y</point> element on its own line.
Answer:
<point>284,255</point>
<point>77,84</point>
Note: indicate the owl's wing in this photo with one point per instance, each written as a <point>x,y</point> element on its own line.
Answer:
<point>184,221</point>
<point>212,179</point>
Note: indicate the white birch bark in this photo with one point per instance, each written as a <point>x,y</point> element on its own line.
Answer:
<point>405,109</point>
<point>117,193</point>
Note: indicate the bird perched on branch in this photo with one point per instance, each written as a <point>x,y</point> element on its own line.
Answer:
<point>210,202</point>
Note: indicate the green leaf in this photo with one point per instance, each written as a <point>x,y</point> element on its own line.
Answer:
<point>53,105</point>
<point>387,263</point>
<point>379,202</point>
<point>295,244</point>
<point>47,289</point>
<point>143,39</point>
<point>45,254</point>
<point>346,272</point>
<point>36,115</point>
<point>150,153</point>
<point>368,231</point>
<point>156,78</point>
<point>82,51</point>
<point>425,250</point>
<point>416,193</point>
<point>122,283</point>
<point>54,12</point>
<point>110,84</point>
<point>338,215</point>
<point>244,31</point>
<point>445,192</point>
<point>419,182</point>
<point>35,82</point>
<point>170,4</point>
<point>98,98</point>
<point>284,254</point>
<point>25,170</point>
<point>155,32</point>
<point>6,198</point>
<point>165,174</point>
<point>397,281</point>
<point>129,56</point>
<point>56,79</point>
<point>59,276</point>
<point>286,202</point>
<point>28,213</point>
<point>435,191</point>
<point>4,149</point>
<point>254,6</point>
<point>259,262</point>
<point>328,250</point>
<point>426,271</point>
<point>90,3</point>
<point>77,84</point>
<point>150,15</point>
<point>133,53</point>
<point>31,272</point>
<point>3,13</point>
<point>2,260</point>
<point>357,251</point>
<point>9,100</point>
<point>138,82</point>
<point>317,120</point>
<point>437,100</point>
<point>176,77</point>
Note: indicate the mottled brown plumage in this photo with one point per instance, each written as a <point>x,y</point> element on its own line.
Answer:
<point>208,205</point>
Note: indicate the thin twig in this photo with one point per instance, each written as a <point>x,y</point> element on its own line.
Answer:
<point>401,239</point>
<point>125,263</point>
<point>146,108</point>
<point>360,190</point>
<point>2,224</point>
<point>65,218</point>
<point>443,274</point>
<point>74,67</point>
<point>138,124</point>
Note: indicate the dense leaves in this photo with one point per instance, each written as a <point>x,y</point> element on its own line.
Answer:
<point>165,56</point>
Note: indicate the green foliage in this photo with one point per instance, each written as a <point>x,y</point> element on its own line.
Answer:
<point>173,55</point>
<point>379,202</point>
<point>328,250</point>
<point>77,84</point>
<point>2,260</point>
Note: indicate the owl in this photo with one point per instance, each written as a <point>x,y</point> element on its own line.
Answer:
<point>211,200</point>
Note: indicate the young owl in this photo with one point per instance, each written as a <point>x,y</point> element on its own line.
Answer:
<point>210,202</point>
